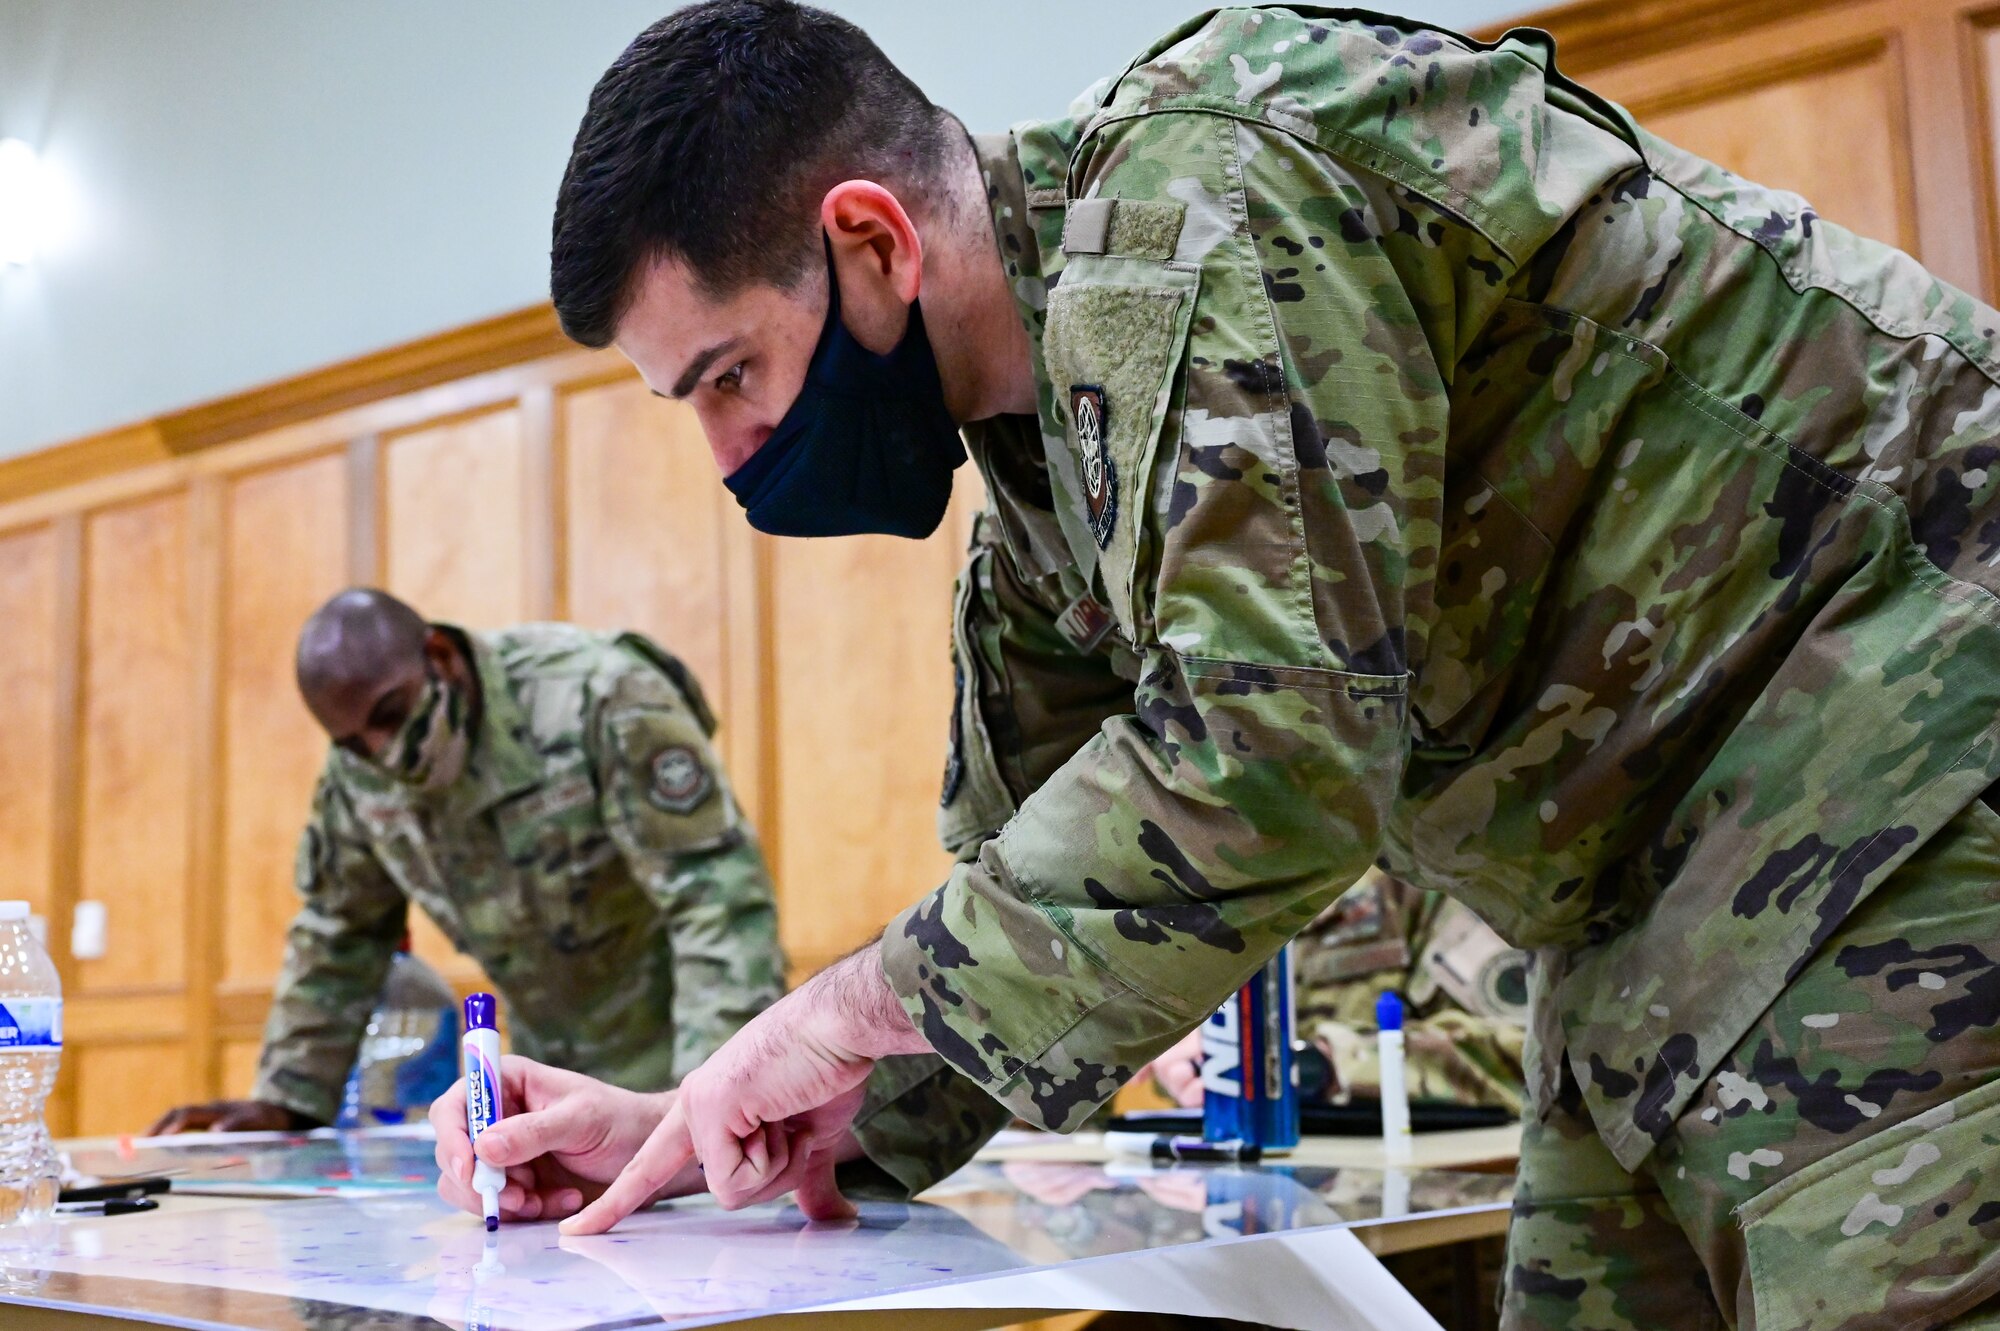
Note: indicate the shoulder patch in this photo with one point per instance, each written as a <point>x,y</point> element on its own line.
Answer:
<point>681,781</point>
<point>1093,446</point>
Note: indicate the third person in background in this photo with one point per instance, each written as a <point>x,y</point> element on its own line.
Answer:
<point>550,798</point>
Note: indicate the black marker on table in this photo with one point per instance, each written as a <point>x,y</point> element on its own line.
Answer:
<point>109,1206</point>
<point>1187,1150</point>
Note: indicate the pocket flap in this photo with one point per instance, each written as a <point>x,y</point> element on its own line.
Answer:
<point>1901,1229</point>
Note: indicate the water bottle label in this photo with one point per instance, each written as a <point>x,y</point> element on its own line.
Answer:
<point>31,1023</point>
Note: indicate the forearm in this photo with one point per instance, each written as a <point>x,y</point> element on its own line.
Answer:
<point>319,1012</point>
<point>855,1012</point>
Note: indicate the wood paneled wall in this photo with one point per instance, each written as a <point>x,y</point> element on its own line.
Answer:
<point>153,579</point>
<point>161,762</point>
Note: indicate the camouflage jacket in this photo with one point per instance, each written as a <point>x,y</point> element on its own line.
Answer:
<point>1439,467</point>
<point>591,859</point>
<point>1464,991</point>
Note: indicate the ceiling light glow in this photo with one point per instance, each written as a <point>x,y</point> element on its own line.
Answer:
<point>24,202</point>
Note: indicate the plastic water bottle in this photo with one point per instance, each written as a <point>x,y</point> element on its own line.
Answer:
<point>30,1052</point>
<point>409,1057</point>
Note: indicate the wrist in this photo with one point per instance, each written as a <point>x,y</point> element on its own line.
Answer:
<point>863,1017</point>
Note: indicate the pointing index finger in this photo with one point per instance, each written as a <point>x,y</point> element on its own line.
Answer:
<point>665,1152</point>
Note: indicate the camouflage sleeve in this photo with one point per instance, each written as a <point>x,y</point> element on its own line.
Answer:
<point>1028,693</point>
<point>668,807</point>
<point>1256,475</point>
<point>919,1122</point>
<point>337,955</point>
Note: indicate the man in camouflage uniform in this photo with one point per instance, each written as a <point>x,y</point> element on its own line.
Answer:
<point>549,797</point>
<point>1464,992</point>
<point>1434,465</point>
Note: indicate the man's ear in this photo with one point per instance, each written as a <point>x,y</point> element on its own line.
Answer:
<point>878,259</point>
<point>443,656</point>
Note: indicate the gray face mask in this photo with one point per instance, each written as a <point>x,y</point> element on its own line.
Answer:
<point>431,749</point>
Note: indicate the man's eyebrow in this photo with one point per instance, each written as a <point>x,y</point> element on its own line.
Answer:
<point>697,368</point>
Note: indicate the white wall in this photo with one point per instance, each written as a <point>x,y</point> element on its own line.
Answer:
<point>258,188</point>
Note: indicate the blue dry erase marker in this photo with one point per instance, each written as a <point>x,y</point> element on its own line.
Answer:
<point>1395,1089</point>
<point>481,1047</point>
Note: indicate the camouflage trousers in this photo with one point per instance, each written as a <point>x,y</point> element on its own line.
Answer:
<point>1841,1169</point>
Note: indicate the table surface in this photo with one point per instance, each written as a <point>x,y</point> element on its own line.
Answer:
<point>397,1260</point>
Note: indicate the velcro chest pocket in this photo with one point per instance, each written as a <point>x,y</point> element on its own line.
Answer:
<point>1114,343</point>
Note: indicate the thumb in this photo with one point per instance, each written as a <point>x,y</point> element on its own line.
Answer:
<point>562,1126</point>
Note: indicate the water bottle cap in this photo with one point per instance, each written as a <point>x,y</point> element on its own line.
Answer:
<point>1389,1012</point>
<point>479,1012</point>
<point>13,910</point>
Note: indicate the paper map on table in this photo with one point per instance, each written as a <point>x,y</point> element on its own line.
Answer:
<point>319,1164</point>
<point>408,1260</point>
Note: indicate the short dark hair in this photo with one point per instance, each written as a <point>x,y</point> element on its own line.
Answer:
<point>359,635</point>
<point>712,138</point>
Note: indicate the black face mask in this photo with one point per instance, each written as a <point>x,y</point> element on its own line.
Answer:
<point>867,447</point>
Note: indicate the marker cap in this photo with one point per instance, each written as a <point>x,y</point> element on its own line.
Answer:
<point>479,1012</point>
<point>1388,1011</point>
<point>13,910</point>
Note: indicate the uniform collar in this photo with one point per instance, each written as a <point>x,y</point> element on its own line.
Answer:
<point>1024,170</point>
<point>502,762</point>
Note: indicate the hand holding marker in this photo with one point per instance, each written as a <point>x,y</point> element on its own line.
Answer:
<point>482,1099</point>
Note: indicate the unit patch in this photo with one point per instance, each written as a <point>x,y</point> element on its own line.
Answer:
<point>1093,446</point>
<point>681,781</point>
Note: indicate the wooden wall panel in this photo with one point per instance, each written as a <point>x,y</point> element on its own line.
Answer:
<point>238,1066</point>
<point>455,502</point>
<point>451,530</point>
<point>28,683</point>
<point>286,552</point>
<point>124,1087</point>
<point>861,656</point>
<point>1828,126</point>
<point>455,497</point>
<point>645,513</point>
<point>1981,39</point>
<point>136,742</point>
